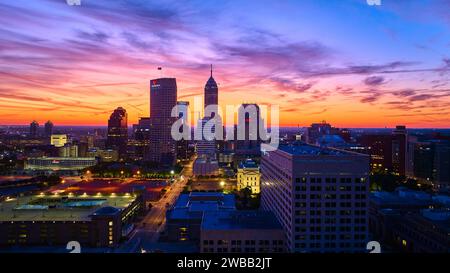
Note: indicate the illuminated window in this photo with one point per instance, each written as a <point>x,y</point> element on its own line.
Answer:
<point>110,223</point>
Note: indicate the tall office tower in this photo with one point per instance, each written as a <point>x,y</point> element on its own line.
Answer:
<point>319,195</point>
<point>423,153</point>
<point>89,139</point>
<point>141,135</point>
<point>34,129</point>
<point>251,144</point>
<point>48,128</point>
<point>442,165</point>
<point>118,131</point>
<point>141,131</point>
<point>388,151</point>
<point>207,147</point>
<point>399,149</point>
<point>163,97</point>
<point>211,93</point>
<point>183,144</point>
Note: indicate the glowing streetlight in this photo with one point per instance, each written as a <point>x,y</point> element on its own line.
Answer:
<point>222,183</point>
<point>172,172</point>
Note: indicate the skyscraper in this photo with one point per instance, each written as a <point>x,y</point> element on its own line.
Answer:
<point>211,93</point>
<point>442,165</point>
<point>183,144</point>
<point>250,120</point>
<point>207,147</point>
<point>48,128</point>
<point>118,131</point>
<point>388,152</point>
<point>163,97</point>
<point>319,195</point>
<point>141,136</point>
<point>34,128</point>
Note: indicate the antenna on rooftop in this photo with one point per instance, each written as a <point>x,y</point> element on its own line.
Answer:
<point>160,71</point>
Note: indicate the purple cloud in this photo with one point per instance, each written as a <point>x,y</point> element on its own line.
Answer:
<point>374,80</point>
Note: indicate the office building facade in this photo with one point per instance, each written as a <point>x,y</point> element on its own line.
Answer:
<point>163,98</point>
<point>319,195</point>
<point>118,131</point>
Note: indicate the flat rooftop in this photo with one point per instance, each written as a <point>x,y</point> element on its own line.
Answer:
<point>301,148</point>
<point>197,199</point>
<point>60,207</point>
<point>403,197</point>
<point>250,164</point>
<point>193,205</point>
<point>108,186</point>
<point>226,220</point>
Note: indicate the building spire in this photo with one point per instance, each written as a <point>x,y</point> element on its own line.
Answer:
<point>211,70</point>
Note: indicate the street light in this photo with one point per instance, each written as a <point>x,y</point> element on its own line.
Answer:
<point>172,172</point>
<point>222,183</point>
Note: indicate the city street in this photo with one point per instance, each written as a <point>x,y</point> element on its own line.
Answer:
<point>146,233</point>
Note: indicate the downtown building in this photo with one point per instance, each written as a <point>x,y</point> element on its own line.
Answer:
<point>207,147</point>
<point>248,176</point>
<point>388,152</point>
<point>206,163</point>
<point>212,220</point>
<point>55,220</point>
<point>118,131</point>
<point>249,119</point>
<point>163,97</point>
<point>48,129</point>
<point>141,138</point>
<point>182,145</point>
<point>34,129</point>
<point>319,195</point>
<point>410,221</point>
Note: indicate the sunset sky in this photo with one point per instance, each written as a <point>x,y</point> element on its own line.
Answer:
<point>342,61</point>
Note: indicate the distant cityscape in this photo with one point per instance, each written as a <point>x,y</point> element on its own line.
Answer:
<point>135,189</point>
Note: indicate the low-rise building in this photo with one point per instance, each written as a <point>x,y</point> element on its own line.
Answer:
<point>410,221</point>
<point>107,155</point>
<point>206,166</point>
<point>58,140</point>
<point>94,221</point>
<point>248,176</point>
<point>59,163</point>
<point>184,219</point>
<point>231,231</point>
<point>68,150</point>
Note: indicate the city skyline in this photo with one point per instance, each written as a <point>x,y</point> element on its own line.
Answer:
<point>351,64</point>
